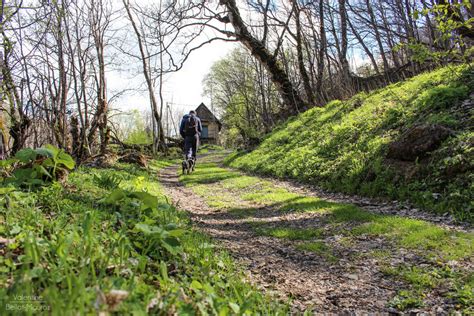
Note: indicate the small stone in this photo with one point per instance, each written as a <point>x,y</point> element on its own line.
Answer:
<point>352,276</point>
<point>380,303</point>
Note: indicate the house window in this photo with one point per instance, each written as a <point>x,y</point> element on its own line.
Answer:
<point>205,131</point>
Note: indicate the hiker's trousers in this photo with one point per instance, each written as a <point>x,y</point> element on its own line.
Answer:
<point>191,144</point>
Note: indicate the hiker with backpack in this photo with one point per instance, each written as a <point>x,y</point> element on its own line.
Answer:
<point>190,129</point>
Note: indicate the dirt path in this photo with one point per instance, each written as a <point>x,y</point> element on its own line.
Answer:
<point>353,283</point>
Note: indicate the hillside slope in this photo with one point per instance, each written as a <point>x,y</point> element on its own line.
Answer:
<point>412,140</point>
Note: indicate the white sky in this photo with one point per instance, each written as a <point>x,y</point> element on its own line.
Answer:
<point>183,89</point>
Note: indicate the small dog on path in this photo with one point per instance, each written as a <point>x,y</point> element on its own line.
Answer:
<point>188,165</point>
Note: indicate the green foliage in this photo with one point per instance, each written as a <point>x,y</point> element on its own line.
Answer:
<point>107,180</point>
<point>132,128</point>
<point>287,232</point>
<point>37,167</point>
<point>138,137</point>
<point>342,147</point>
<point>422,280</point>
<point>449,21</point>
<point>236,86</point>
<point>464,294</point>
<point>74,246</point>
<point>407,299</point>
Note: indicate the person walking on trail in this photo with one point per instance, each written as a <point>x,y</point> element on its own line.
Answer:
<point>190,129</point>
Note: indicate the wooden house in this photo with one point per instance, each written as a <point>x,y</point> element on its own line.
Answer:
<point>211,126</point>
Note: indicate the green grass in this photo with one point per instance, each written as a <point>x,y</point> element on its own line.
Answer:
<point>433,241</point>
<point>271,196</point>
<point>71,250</point>
<point>433,244</point>
<point>215,198</point>
<point>342,146</point>
<point>422,280</point>
<point>287,232</point>
<point>207,173</point>
<point>204,149</point>
<point>320,248</point>
<point>406,299</point>
<point>243,182</point>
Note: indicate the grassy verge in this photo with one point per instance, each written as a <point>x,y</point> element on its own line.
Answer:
<point>206,148</point>
<point>109,242</point>
<point>343,146</point>
<point>437,248</point>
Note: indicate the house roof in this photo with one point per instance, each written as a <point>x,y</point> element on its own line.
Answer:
<point>206,115</point>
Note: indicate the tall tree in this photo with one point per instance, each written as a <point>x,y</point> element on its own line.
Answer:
<point>281,79</point>
<point>145,58</point>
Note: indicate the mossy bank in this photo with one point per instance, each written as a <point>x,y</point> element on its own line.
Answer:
<point>370,144</point>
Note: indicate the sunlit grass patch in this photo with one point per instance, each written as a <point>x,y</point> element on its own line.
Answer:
<point>206,148</point>
<point>207,173</point>
<point>422,235</point>
<point>242,182</point>
<point>156,165</point>
<point>271,195</point>
<point>320,248</point>
<point>421,278</point>
<point>220,202</point>
<point>215,197</point>
<point>287,232</point>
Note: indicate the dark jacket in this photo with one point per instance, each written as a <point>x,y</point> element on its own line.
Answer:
<point>183,125</point>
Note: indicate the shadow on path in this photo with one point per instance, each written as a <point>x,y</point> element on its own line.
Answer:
<point>345,283</point>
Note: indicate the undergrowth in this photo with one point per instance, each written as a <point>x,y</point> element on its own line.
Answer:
<point>109,241</point>
<point>342,146</point>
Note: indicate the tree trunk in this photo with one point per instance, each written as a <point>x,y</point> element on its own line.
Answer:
<point>281,79</point>
<point>299,49</point>
<point>377,34</point>
<point>366,49</point>
<point>146,73</point>
<point>322,50</point>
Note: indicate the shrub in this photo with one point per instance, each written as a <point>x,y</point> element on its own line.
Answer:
<point>107,180</point>
<point>37,167</point>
